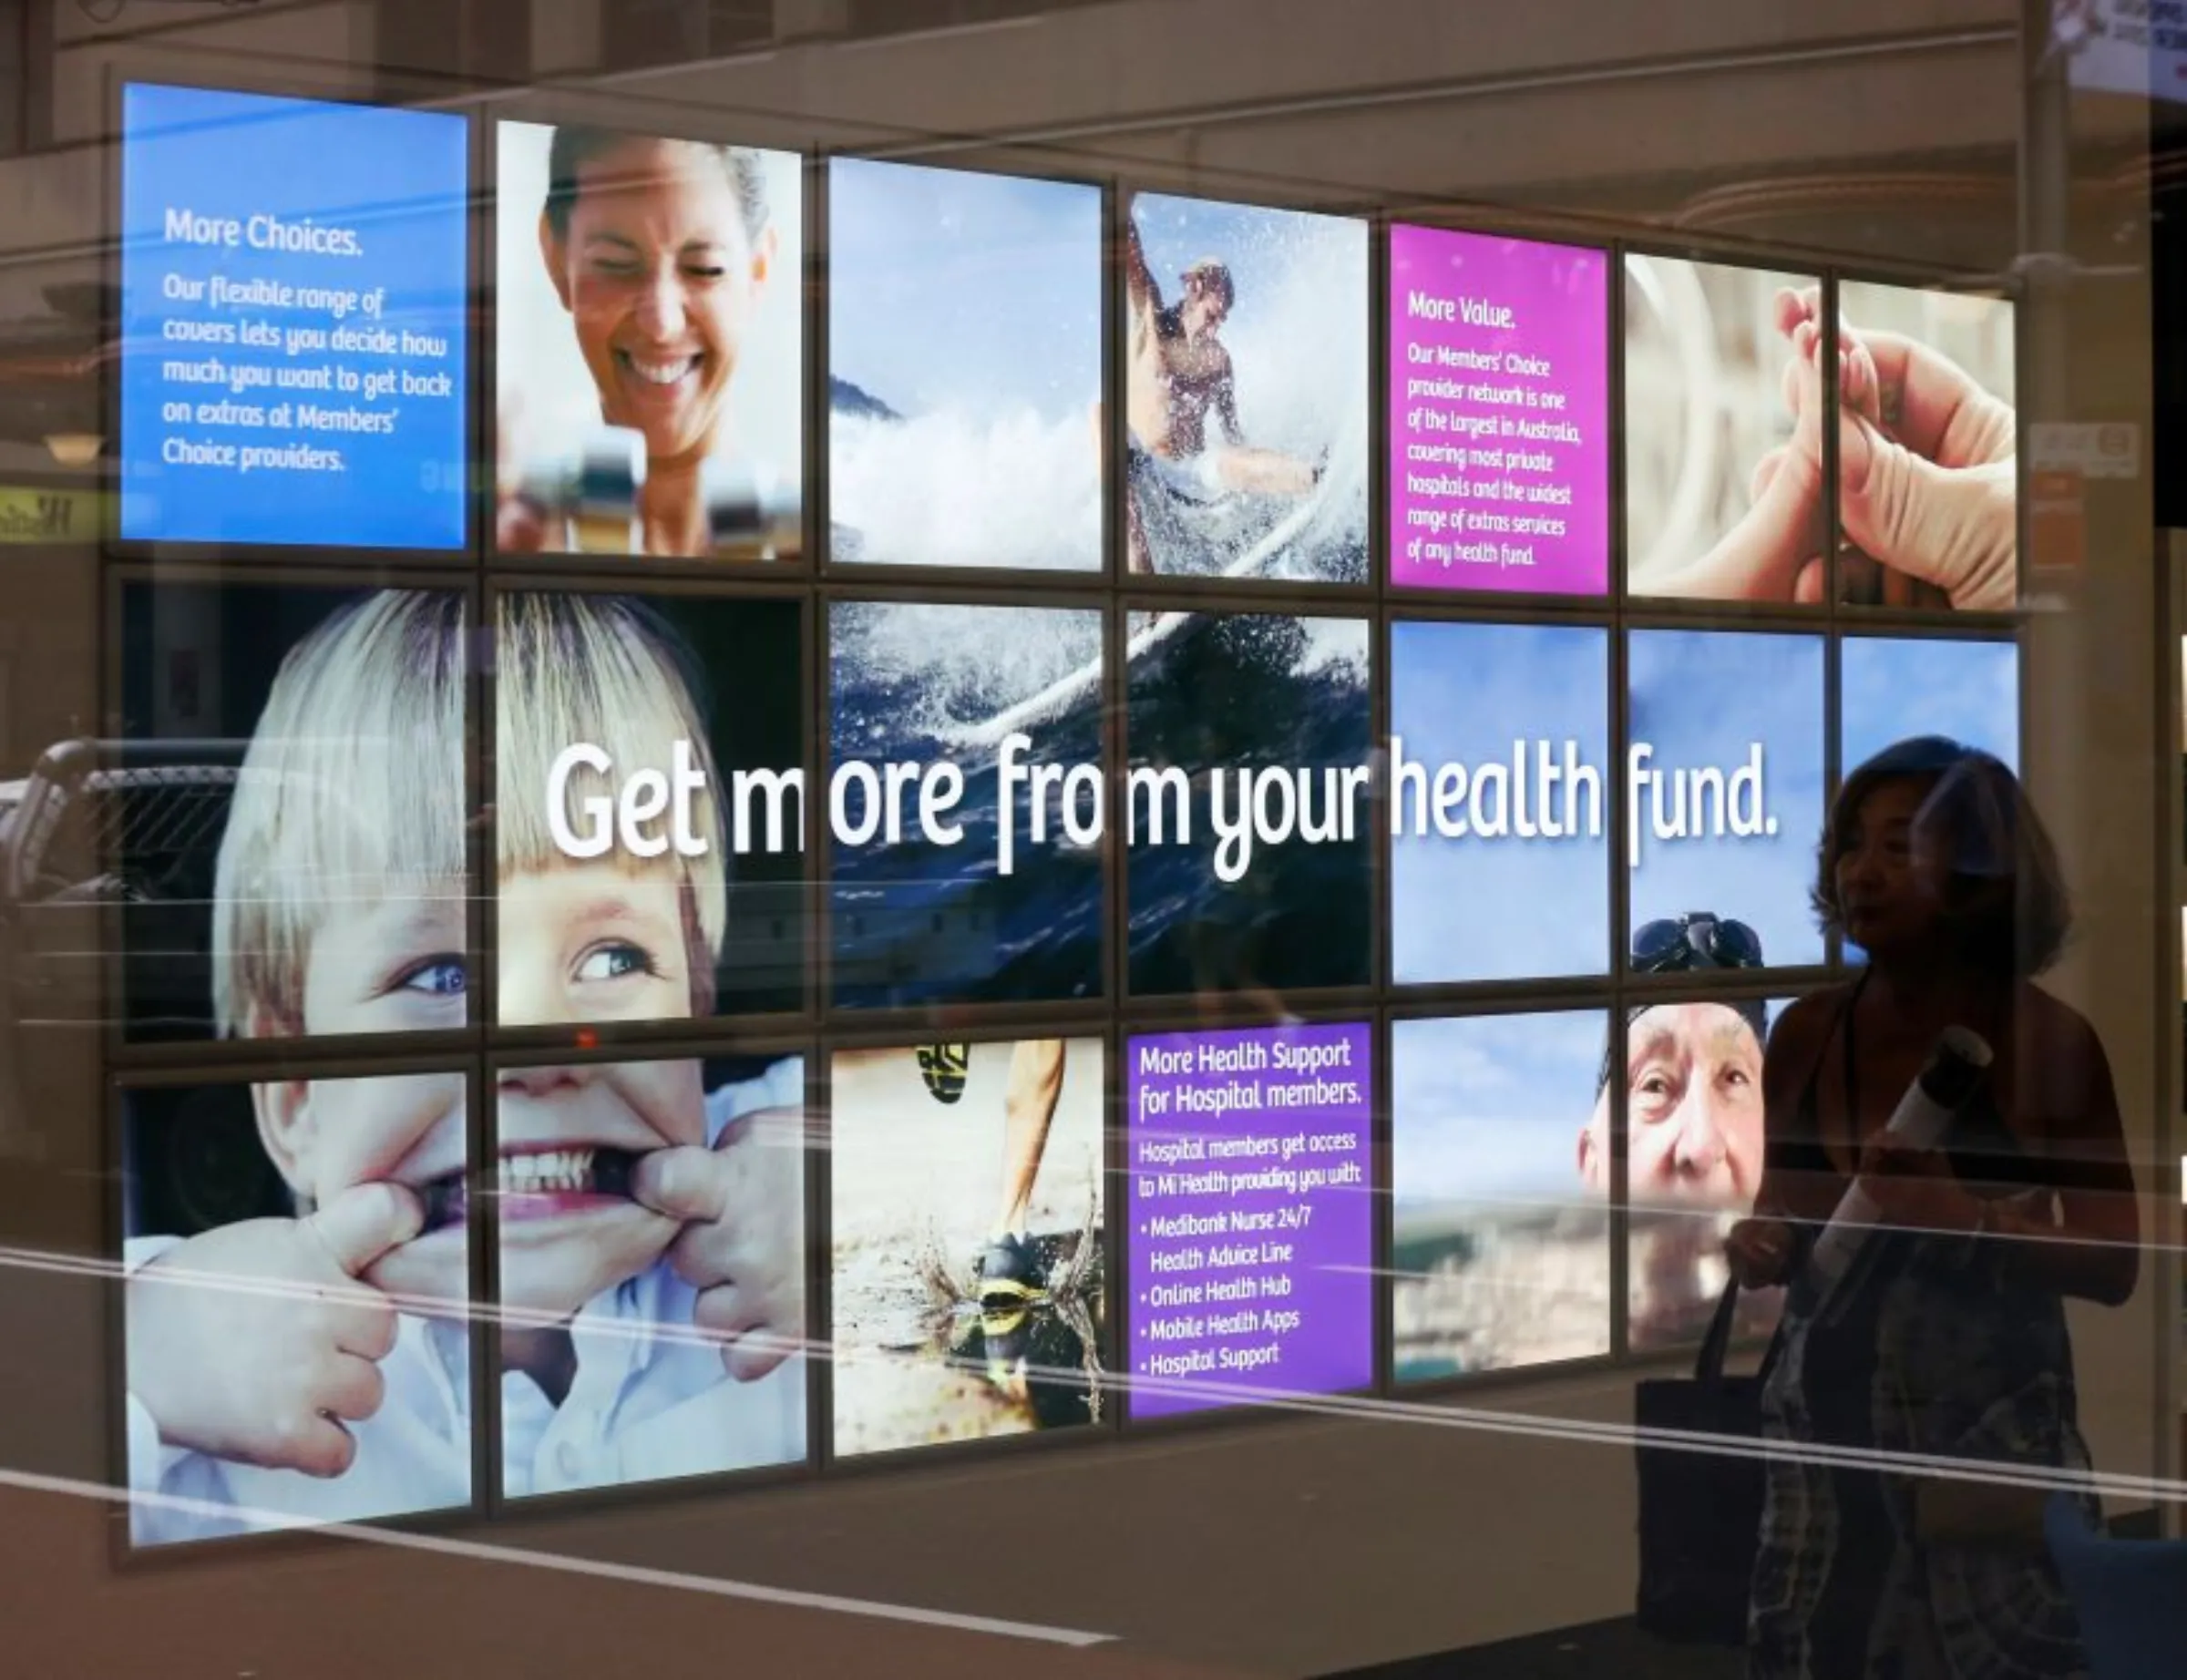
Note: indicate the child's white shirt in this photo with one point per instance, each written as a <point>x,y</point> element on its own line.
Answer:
<point>649,1400</point>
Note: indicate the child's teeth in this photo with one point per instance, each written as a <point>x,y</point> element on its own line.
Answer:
<point>548,1173</point>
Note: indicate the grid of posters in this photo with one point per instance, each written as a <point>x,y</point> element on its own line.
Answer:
<point>969,779</point>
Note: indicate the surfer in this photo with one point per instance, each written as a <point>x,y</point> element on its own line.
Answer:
<point>1177,370</point>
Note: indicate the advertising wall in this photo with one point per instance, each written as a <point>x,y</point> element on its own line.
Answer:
<point>910,851</point>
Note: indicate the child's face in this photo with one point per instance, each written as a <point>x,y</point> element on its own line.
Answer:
<point>392,964</point>
<point>592,942</point>
<point>569,1139</point>
<point>331,1135</point>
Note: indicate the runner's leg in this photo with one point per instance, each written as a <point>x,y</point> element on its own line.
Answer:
<point>1036,1084</point>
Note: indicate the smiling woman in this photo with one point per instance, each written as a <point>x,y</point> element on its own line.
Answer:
<point>649,358</point>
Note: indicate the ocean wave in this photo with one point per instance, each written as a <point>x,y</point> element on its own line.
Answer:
<point>948,488</point>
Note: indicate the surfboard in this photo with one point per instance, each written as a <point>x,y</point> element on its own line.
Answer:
<point>1065,692</point>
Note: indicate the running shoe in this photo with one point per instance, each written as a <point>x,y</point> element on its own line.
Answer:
<point>945,1068</point>
<point>1009,1273</point>
<point>1006,1339</point>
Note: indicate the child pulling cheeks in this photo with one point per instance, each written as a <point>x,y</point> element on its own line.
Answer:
<point>316,1369</point>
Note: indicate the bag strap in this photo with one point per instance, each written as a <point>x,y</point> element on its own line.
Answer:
<point>1709,1363</point>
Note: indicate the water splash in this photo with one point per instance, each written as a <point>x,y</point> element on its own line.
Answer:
<point>930,670</point>
<point>949,488</point>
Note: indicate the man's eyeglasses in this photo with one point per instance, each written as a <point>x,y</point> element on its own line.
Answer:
<point>1673,945</point>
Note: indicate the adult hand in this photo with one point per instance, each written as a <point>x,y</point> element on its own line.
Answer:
<point>1760,1252</point>
<point>257,1342</point>
<point>1926,470</point>
<point>1913,1188</point>
<point>1954,527</point>
<point>741,1204</point>
<point>1862,392</point>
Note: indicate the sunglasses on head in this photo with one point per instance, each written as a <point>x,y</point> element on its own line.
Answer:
<point>1673,945</point>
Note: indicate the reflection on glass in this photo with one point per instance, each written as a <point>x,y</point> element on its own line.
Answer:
<point>964,363</point>
<point>1245,391</point>
<point>970,1295</point>
<point>297,1339</point>
<point>1249,832</point>
<point>1893,688</point>
<point>648,822</point>
<point>1500,772</point>
<point>1927,455</point>
<point>652,1270</point>
<point>291,819</point>
<point>1723,431</point>
<point>1501,1251</point>
<point>648,345</point>
<point>994,893</point>
<point>1725,782</point>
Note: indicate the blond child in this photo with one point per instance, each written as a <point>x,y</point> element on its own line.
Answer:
<point>316,1369</point>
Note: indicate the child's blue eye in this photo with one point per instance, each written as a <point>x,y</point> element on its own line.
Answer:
<point>439,977</point>
<point>614,962</point>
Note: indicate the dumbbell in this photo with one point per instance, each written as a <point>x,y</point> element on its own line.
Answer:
<point>589,493</point>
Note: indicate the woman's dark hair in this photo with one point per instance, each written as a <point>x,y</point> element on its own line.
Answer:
<point>2006,905</point>
<point>572,148</point>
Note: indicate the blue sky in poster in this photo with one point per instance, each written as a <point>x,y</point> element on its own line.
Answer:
<point>1492,1106</point>
<point>1470,909</point>
<point>1890,688</point>
<point>1704,700</point>
<point>955,291</point>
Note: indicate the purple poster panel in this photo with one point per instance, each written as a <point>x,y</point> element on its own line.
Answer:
<point>1252,1228</point>
<point>1499,414</point>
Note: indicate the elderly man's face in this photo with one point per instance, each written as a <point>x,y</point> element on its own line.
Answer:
<point>1694,1111</point>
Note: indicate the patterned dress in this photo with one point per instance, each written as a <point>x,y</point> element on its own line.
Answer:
<point>1923,1348</point>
